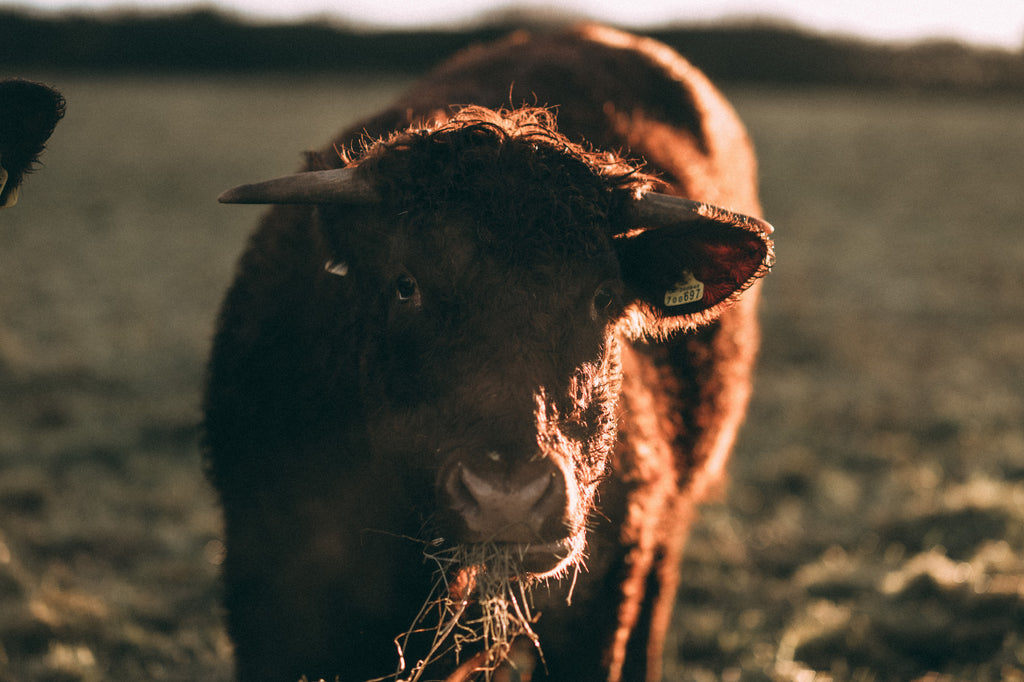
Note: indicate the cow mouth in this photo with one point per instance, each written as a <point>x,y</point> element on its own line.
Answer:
<point>526,561</point>
<point>548,559</point>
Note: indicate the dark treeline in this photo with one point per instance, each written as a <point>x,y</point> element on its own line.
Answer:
<point>205,40</point>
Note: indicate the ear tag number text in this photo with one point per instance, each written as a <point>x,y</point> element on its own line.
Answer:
<point>688,290</point>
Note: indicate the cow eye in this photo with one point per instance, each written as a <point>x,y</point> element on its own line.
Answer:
<point>605,301</point>
<point>405,288</point>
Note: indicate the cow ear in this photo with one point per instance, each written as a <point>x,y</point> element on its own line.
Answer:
<point>682,275</point>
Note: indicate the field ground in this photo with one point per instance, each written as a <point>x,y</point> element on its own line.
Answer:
<point>874,528</point>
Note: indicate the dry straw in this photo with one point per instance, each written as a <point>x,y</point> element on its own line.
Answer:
<point>480,602</point>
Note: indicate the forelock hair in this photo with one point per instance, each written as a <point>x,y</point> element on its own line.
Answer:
<point>509,170</point>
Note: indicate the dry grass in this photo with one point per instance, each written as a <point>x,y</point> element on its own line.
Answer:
<point>479,607</point>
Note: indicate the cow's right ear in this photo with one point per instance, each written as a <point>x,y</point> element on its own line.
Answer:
<point>682,274</point>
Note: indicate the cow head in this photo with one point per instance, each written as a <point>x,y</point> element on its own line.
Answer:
<point>496,265</point>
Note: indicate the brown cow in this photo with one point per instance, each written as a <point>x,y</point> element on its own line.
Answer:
<point>28,114</point>
<point>473,361</point>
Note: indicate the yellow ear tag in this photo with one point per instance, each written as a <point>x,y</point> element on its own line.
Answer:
<point>688,290</point>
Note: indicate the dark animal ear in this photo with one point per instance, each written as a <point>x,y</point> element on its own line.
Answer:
<point>682,275</point>
<point>29,112</point>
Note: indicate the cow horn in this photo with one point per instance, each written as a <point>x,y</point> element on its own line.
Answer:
<point>336,186</point>
<point>658,210</point>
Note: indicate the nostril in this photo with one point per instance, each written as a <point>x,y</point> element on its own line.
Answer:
<point>462,498</point>
<point>511,498</point>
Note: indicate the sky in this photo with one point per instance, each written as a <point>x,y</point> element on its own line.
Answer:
<point>984,22</point>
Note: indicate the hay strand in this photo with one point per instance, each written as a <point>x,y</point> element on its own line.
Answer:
<point>481,602</point>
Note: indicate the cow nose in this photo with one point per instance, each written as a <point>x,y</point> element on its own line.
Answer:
<point>525,504</point>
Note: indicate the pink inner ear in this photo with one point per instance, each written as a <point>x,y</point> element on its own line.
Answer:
<point>683,275</point>
<point>726,267</point>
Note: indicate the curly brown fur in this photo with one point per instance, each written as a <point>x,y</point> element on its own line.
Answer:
<point>510,167</point>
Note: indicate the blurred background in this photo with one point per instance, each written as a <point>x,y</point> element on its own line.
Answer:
<point>874,526</point>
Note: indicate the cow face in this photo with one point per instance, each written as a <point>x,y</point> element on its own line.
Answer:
<point>489,370</point>
<point>490,268</point>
